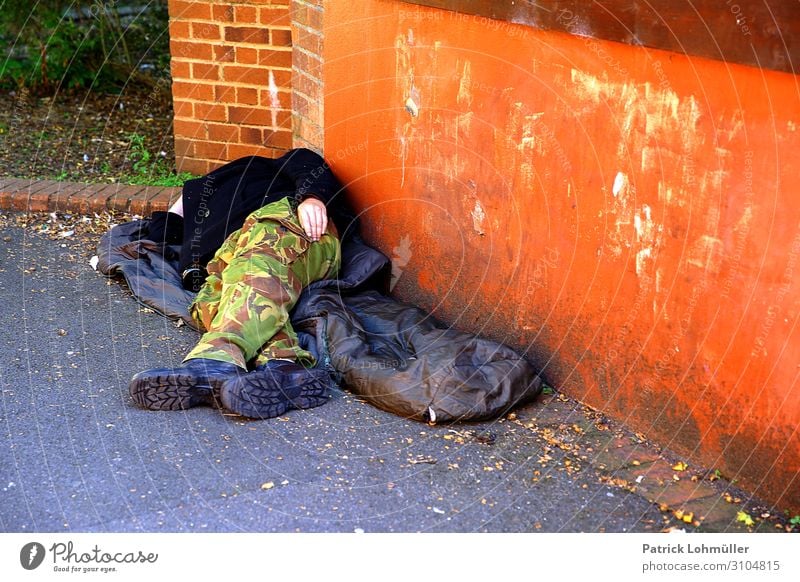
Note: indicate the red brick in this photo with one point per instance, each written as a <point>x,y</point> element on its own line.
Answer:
<point>180,69</point>
<point>299,14</point>
<point>183,108</point>
<point>280,37</point>
<point>205,71</point>
<point>189,10</point>
<point>306,62</point>
<point>245,74</point>
<point>308,131</point>
<point>163,200</point>
<point>246,55</point>
<point>223,132</point>
<point>180,30</point>
<point>283,119</point>
<point>190,50</point>
<point>308,40</point>
<point>184,147</point>
<point>245,15</point>
<point>283,78</point>
<point>222,12</point>
<point>275,16</point>
<point>39,202</point>
<point>247,95</point>
<point>278,139</point>
<point>193,166</point>
<point>71,197</point>
<point>33,195</point>
<point>94,199</point>
<point>225,93</point>
<point>8,191</point>
<point>239,151</point>
<point>305,106</point>
<point>138,202</point>
<point>189,128</point>
<point>120,198</point>
<point>248,34</point>
<point>205,31</point>
<point>275,58</point>
<point>211,150</point>
<point>315,19</point>
<point>210,112</point>
<point>250,116</point>
<point>224,53</point>
<point>306,85</point>
<point>284,99</point>
<point>190,90</point>
<point>251,135</point>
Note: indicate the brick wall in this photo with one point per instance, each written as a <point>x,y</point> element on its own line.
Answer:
<point>307,97</point>
<point>232,80</point>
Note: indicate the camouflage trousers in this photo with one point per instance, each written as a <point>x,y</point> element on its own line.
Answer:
<point>253,282</point>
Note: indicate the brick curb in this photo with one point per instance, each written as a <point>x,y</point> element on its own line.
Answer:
<point>31,195</point>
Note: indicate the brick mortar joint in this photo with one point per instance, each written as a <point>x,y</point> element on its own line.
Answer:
<point>296,24</point>
<point>306,51</point>
<point>308,5</point>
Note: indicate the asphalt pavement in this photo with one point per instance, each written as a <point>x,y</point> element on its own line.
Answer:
<point>76,455</point>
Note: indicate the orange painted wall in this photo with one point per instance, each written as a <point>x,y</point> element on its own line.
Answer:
<point>629,218</point>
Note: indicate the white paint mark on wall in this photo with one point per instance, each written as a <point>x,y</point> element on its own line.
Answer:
<point>478,217</point>
<point>464,96</point>
<point>589,85</point>
<point>274,100</point>
<point>403,156</point>
<point>413,102</point>
<point>643,225</point>
<point>642,256</point>
<point>620,180</point>
<point>464,122</point>
<point>706,252</point>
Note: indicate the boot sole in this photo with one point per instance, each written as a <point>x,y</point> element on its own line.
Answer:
<point>165,391</point>
<point>261,395</point>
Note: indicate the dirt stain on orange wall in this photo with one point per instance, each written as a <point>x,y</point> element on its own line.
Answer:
<point>626,217</point>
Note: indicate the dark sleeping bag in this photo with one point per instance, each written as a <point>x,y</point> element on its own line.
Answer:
<point>393,355</point>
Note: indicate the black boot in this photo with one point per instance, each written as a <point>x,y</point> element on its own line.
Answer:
<point>197,382</point>
<point>274,388</point>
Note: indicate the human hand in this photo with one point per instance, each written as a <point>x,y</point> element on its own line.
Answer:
<point>313,217</point>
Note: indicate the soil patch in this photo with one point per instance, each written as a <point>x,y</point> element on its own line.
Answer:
<point>84,136</point>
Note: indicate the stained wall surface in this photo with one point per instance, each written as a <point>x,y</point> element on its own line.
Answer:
<point>627,217</point>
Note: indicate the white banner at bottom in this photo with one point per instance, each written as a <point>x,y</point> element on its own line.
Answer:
<point>379,557</point>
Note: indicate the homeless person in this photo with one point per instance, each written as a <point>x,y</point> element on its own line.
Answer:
<point>253,234</point>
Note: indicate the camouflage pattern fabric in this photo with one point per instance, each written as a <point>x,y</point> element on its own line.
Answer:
<point>253,282</point>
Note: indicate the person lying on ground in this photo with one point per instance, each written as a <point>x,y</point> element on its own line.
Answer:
<point>249,358</point>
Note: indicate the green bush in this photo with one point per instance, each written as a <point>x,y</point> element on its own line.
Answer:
<point>63,44</point>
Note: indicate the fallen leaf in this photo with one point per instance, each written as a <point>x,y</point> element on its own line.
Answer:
<point>680,466</point>
<point>744,518</point>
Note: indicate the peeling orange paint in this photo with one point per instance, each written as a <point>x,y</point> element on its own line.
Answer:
<point>631,228</point>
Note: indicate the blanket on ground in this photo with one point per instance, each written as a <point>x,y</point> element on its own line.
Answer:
<point>393,355</point>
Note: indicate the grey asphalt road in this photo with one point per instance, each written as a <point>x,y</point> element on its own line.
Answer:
<point>77,456</point>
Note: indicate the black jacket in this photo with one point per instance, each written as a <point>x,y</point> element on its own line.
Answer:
<point>217,204</point>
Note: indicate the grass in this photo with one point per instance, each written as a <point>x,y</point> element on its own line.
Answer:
<point>150,170</point>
